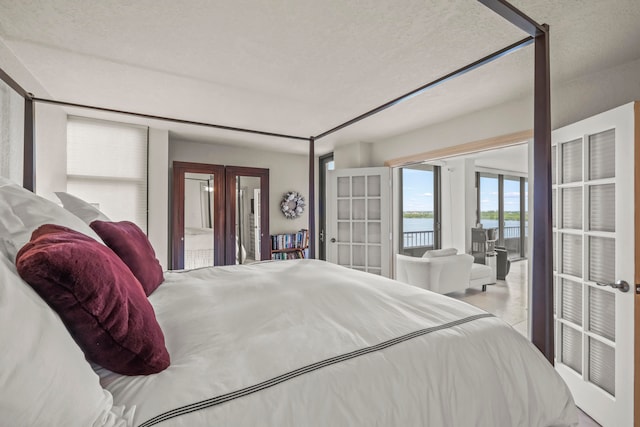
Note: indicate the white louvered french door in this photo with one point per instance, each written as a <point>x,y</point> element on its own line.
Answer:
<point>593,193</point>
<point>358,219</point>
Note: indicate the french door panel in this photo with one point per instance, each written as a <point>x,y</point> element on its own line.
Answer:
<point>358,220</point>
<point>593,178</point>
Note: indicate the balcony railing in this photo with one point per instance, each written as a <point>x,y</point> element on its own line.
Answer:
<point>512,232</point>
<point>512,241</point>
<point>417,239</point>
<point>424,239</point>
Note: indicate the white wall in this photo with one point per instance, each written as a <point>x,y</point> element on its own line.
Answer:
<point>570,101</point>
<point>11,134</point>
<point>51,151</point>
<point>355,155</point>
<point>458,203</point>
<point>503,119</point>
<point>595,93</point>
<point>14,68</point>
<point>51,172</point>
<point>158,196</point>
<point>50,130</point>
<point>287,172</point>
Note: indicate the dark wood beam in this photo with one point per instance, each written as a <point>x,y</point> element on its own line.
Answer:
<point>515,16</point>
<point>312,199</point>
<point>541,305</point>
<point>29,156</point>
<point>168,119</point>
<point>460,71</point>
<point>13,84</point>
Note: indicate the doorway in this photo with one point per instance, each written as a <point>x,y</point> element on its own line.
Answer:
<point>220,215</point>
<point>480,191</point>
<point>358,219</point>
<point>326,164</point>
<point>502,201</point>
<point>420,211</point>
<point>247,215</point>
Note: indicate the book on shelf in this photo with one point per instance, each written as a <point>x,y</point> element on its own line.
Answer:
<point>290,245</point>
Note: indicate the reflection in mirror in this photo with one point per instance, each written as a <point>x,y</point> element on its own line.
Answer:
<point>247,225</point>
<point>198,220</point>
<point>11,133</point>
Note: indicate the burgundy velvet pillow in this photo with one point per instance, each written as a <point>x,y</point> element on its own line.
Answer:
<point>130,243</point>
<point>98,298</point>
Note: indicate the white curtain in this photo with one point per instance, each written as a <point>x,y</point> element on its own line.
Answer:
<point>107,166</point>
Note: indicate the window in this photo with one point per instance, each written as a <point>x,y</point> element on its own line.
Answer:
<point>107,166</point>
<point>11,133</point>
<point>488,201</point>
<point>502,204</point>
<point>420,209</point>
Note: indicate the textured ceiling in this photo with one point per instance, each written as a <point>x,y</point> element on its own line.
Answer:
<point>300,66</point>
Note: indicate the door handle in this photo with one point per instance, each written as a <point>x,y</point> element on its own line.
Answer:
<point>621,285</point>
<point>333,240</point>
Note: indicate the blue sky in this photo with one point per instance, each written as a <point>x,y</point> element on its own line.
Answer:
<point>489,194</point>
<point>417,192</point>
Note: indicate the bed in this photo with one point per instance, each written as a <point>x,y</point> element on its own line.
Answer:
<point>283,343</point>
<point>198,247</point>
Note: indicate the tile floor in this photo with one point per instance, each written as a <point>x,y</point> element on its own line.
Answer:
<point>508,299</point>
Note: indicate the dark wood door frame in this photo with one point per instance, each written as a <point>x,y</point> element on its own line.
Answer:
<point>437,207</point>
<point>177,217</point>
<point>231,172</point>
<point>322,175</point>
<point>224,184</point>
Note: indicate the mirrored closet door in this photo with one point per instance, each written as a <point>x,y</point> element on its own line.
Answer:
<point>220,215</point>
<point>198,215</point>
<point>247,237</point>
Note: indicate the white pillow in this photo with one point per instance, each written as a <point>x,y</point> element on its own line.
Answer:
<point>44,377</point>
<point>83,210</point>
<point>21,212</point>
<point>440,252</point>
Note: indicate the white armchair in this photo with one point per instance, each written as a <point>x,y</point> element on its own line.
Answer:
<point>441,271</point>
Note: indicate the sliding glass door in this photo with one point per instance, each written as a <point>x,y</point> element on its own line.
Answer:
<point>488,201</point>
<point>510,233</point>
<point>420,225</point>
<point>502,204</point>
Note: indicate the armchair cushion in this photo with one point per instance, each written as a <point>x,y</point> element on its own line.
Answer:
<point>442,274</point>
<point>440,252</point>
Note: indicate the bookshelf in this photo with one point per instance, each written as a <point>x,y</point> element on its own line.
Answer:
<point>290,245</point>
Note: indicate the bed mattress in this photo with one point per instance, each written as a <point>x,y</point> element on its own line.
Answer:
<point>308,343</point>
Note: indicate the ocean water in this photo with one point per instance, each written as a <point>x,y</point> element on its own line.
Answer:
<point>426,224</point>
<point>417,224</point>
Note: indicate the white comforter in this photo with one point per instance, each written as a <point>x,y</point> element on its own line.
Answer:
<point>230,328</point>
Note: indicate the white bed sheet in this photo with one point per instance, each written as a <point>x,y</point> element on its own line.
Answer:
<point>229,328</point>
<point>198,238</point>
<point>198,247</point>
